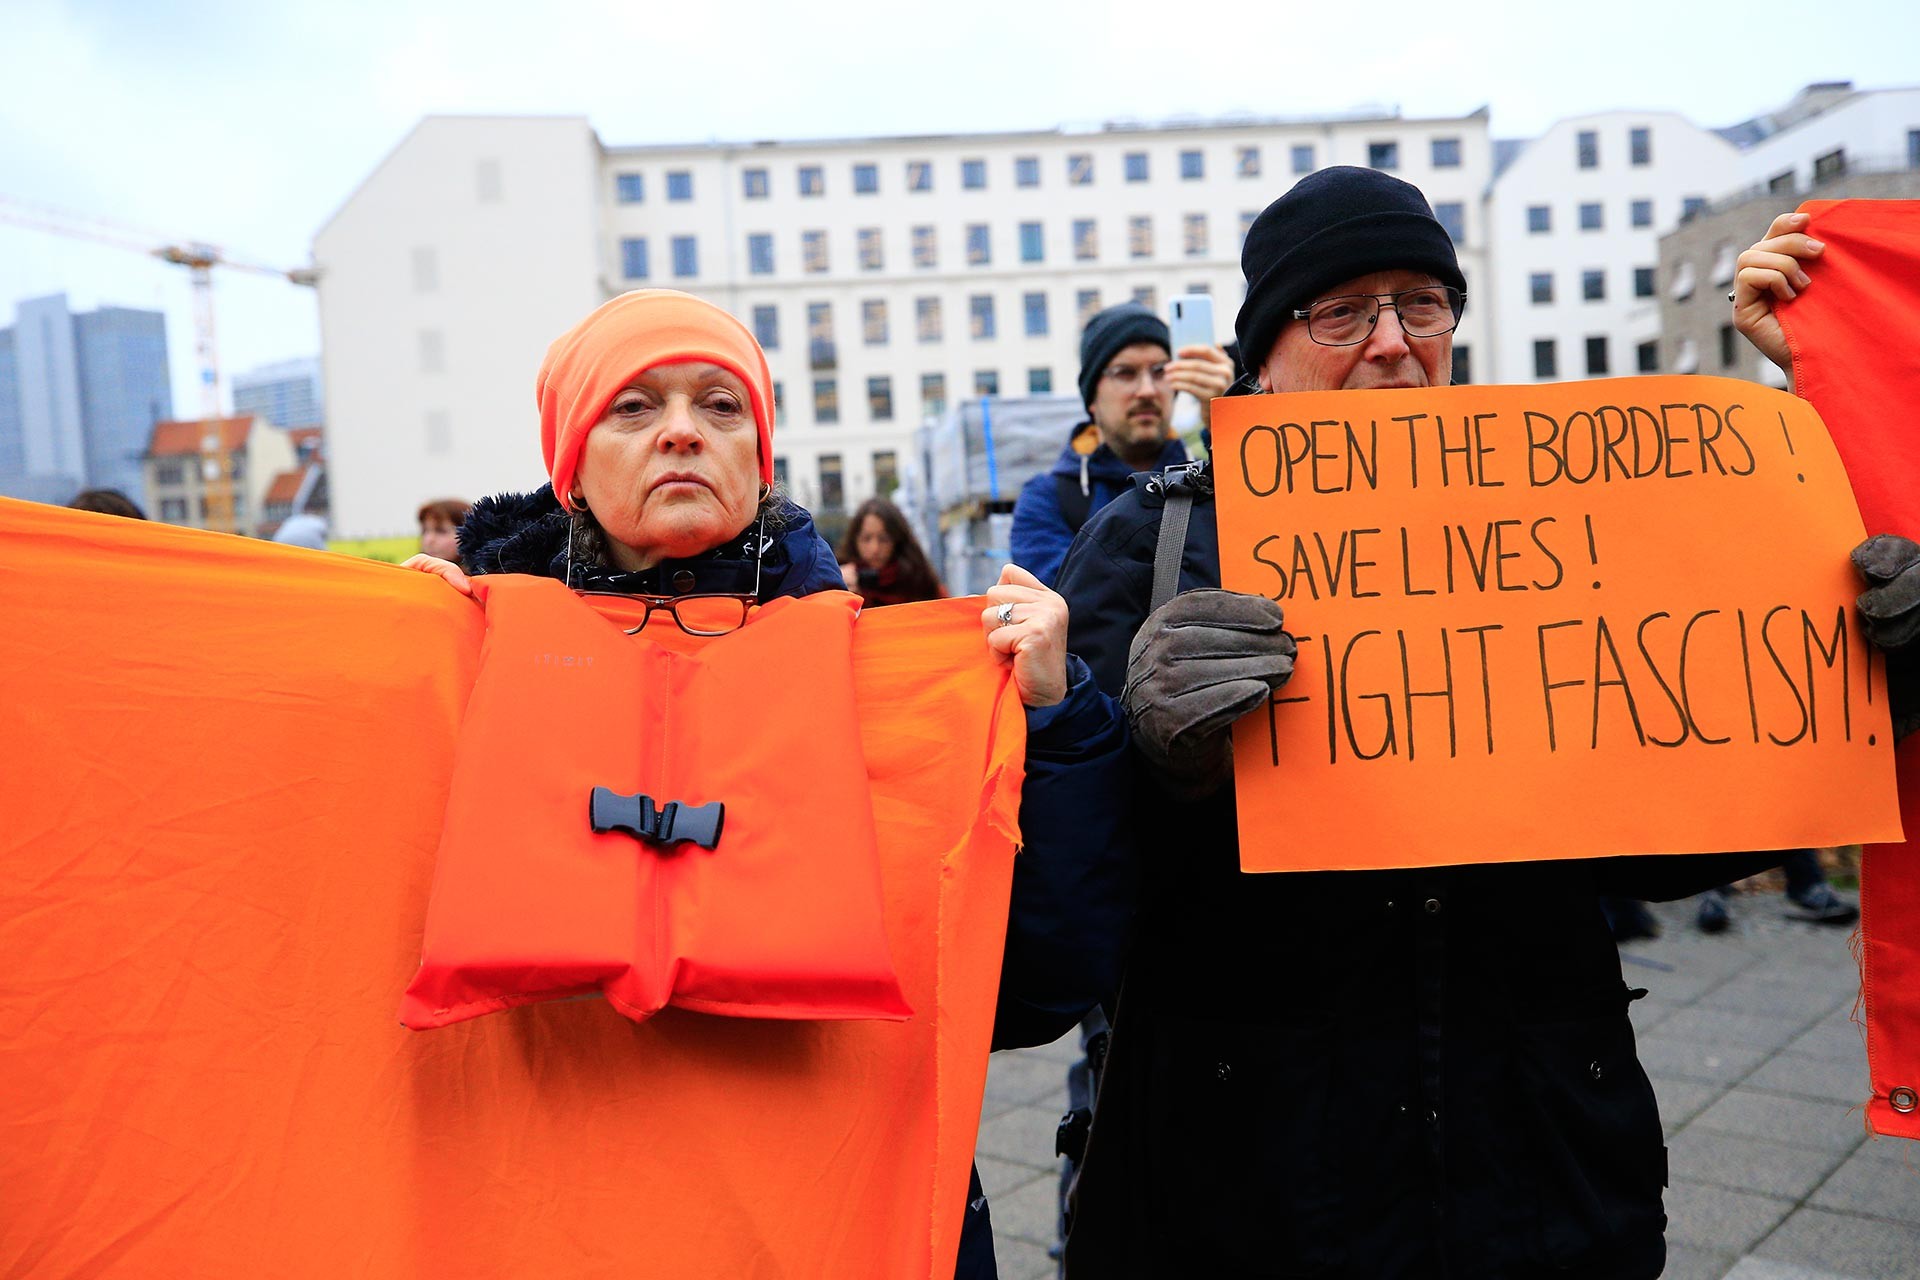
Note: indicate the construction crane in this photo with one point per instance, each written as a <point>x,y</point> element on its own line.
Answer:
<point>199,258</point>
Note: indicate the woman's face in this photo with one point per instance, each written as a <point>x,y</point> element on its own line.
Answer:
<point>672,468</point>
<point>438,538</point>
<point>872,544</point>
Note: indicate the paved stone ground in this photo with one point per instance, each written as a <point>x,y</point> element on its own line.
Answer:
<point>1751,1046</point>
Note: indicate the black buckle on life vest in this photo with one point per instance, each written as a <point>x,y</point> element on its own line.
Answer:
<point>665,824</point>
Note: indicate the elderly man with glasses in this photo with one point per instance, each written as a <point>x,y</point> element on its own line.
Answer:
<point>1413,1073</point>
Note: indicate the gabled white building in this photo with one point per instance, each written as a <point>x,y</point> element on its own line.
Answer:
<point>1575,220</point>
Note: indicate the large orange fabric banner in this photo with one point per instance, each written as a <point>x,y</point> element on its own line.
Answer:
<point>1865,287</point>
<point>1559,621</point>
<point>222,771</point>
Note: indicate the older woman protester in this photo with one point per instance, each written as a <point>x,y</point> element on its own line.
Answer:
<point>882,560</point>
<point>656,421</point>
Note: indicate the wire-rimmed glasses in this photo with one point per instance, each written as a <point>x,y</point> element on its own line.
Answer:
<point>1426,311</point>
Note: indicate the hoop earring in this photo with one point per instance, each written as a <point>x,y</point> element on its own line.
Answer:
<point>578,501</point>
<point>766,490</point>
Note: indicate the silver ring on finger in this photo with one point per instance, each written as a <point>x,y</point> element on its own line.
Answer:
<point>1005,616</point>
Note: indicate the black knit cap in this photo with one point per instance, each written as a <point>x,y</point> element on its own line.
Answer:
<point>1332,226</point>
<point>1111,332</point>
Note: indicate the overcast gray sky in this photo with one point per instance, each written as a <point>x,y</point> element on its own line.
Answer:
<point>247,122</point>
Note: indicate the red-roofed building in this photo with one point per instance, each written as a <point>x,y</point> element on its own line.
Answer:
<point>254,454</point>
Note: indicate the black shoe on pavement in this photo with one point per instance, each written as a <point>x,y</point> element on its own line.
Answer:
<point>1712,915</point>
<point>1821,905</point>
<point>1631,919</point>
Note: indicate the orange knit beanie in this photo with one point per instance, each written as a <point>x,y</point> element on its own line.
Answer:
<point>589,364</point>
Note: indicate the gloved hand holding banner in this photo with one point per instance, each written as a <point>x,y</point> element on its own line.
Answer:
<point>1557,621</point>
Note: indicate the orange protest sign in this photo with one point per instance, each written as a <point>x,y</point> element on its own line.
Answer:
<point>1561,621</point>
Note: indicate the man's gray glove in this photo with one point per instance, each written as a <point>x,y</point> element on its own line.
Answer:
<point>1890,615</point>
<point>1198,663</point>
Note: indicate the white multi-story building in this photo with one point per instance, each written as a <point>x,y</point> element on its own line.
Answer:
<point>1576,219</point>
<point>887,277</point>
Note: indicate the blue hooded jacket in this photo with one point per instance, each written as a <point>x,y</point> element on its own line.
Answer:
<point>1042,529</point>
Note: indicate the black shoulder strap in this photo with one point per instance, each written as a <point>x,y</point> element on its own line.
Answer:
<point>1181,484</point>
<point>1076,506</point>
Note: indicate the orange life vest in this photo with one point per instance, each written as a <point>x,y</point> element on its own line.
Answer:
<point>1855,358</point>
<point>223,768</point>
<point>779,919</point>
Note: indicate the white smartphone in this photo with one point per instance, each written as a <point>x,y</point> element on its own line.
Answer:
<point>1189,323</point>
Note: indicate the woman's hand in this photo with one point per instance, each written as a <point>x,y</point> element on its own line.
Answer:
<point>449,572</point>
<point>1771,272</point>
<point>1034,640</point>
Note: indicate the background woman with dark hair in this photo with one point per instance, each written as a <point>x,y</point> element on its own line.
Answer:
<point>882,560</point>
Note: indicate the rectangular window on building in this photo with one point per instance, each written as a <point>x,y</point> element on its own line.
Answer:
<point>426,269</point>
<point>826,401</point>
<point>1830,166</point>
<point>1539,219</point>
<point>933,394</point>
<point>813,251</point>
<point>986,382</point>
<point>873,322</point>
<point>1462,364</point>
<point>1383,155</point>
<point>760,253</point>
<point>1540,287</point>
<point>1247,162</point>
<point>1200,286</point>
<point>1032,243</point>
<point>1301,154</point>
<point>1079,169</point>
<point>1782,184</point>
<point>680,185</point>
<point>923,247</point>
<point>880,399</point>
<point>1136,166</point>
<point>1597,356</point>
<point>866,179</point>
<point>1546,360</point>
<point>886,471</point>
<point>927,324</point>
<point>633,258</point>
<point>1147,296</point>
<point>980,316</point>
<point>1453,216</point>
<point>173,510</point>
<point>833,489</point>
<point>686,256</point>
<point>1913,148</point>
<point>1039,382</point>
<point>1193,165</point>
<point>1643,282</point>
<point>1729,349</point>
<point>813,180</point>
<point>1247,219</point>
<point>979,247</point>
<point>1086,240</point>
<point>779,419</point>
<point>1590,216</point>
<point>1034,307</point>
<point>1640,146</point>
<point>1086,304</point>
<point>439,439</point>
<point>1446,153</point>
<point>867,240</point>
<point>1140,236</point>
<point>1193,235</point>
<point>919,175</point>
<point>973,175</point>
<point>1586,148</point>
<point>487,189</point>
<point>1692,207</point>
<point>628,188</point>
<point>1026,171</point>
<point>822,352</point>
<point>433,351</point>
<point>766,326</point>
<point>753,184</point>
<point>780,471</point>
<point>1593,285</point>
<point>1646,357</point>
<point>1640,213</point>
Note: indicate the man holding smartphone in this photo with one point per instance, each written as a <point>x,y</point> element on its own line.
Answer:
<point>1129,375</point>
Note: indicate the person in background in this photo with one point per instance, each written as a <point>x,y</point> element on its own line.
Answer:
<point>440,522</point>
<point>107,502</point>
<point>303,529</point>
<point>882,560</point>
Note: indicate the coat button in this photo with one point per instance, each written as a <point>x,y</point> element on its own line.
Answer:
<point>682,582</point>
<point>1222,1070</point>
<point>1593,1069</point>
<point>1433,906</point>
